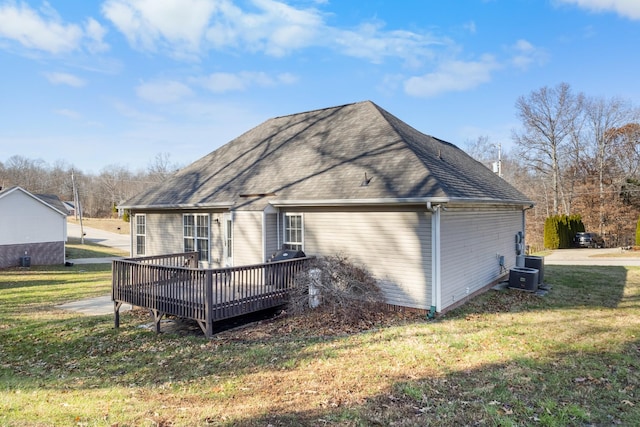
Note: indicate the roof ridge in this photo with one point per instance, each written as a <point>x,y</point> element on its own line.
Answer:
<point>399,128</point>
<point>322,109</point>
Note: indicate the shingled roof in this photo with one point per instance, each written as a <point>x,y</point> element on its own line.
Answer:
<point>322,157</point>
<point>50,200</point>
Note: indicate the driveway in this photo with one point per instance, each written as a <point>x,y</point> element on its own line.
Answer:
<point>608,256</point>
<point>99,305</point>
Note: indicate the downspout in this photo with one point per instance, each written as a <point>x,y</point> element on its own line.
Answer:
<point>524,228</point>
<point>131,232</point>
<point>436,283</point>
<point>264,236</point>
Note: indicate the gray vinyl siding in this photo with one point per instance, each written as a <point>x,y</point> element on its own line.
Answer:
<point>164,235</point>
<point>470,246</point>
<point>394,245</point>
<point>247,238</point>
<point>272,243</point>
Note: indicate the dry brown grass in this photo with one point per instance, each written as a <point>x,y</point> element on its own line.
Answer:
<point>107,224</point>
<point>504,359</point>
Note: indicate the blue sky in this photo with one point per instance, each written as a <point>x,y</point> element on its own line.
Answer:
<point>117,82</point>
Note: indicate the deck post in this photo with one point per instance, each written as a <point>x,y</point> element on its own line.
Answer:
<point>116,312</point>
<point>115,282</point>
<point>208,304</point>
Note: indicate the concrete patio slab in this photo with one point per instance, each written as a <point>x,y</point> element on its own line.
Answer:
<point>97,306</point>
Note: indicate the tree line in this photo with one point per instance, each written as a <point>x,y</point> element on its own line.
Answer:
<point>97,193</point>
<point>573,154</point>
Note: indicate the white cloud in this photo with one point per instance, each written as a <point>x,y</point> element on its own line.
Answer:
<point>452,76</point>
<point>176,24</point>
<point>370,42</point>
<point>626,8</point>
<point>163,91</point>
<point>524,54</point>
<point>20,23</point>
<point>228,82</point>
<point>470,27</point>
<point>95,33</point>
<point>188,28</point>
<point>275,28</point>
<point>65,79</point>
<point>44,30</point>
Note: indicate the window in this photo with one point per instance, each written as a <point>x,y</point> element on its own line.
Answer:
<point>293,231</point>
<point>196,234</point>
<point>141,233</point>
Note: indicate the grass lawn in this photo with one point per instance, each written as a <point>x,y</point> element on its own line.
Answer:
<point>75,250</point>
<point>508,358</point>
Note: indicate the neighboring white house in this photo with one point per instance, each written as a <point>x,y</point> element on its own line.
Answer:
<point>431,223</point>
<point>33,228</point>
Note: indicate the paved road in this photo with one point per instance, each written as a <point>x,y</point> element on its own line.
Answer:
<point>105,238</point>
<point>608,256</point>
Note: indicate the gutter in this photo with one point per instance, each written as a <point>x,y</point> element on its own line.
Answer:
<point>395,201</point>
<point>169,206</point>
<point>358,202</point>
<point>337,202</point>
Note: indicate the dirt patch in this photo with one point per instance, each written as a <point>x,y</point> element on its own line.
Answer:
<point>277,323</point>
<point>319,323</point>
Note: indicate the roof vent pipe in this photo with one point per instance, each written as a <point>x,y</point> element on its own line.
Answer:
<point>365,182</point>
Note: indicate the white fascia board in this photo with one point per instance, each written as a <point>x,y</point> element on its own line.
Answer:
<point>397,201</point>
<point>361,202</point>
<point>179,206</point>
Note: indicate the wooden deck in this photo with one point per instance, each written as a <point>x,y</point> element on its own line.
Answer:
<point>168,285</point>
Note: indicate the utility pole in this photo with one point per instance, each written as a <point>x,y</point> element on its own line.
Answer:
<point>497,166</point>
<point>76,202</point>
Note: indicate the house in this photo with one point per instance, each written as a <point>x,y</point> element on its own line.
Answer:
<point>33,228</point>
<point>431,223</point>
<point>70,207</point>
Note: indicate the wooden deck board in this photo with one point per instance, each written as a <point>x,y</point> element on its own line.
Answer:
<point>203,295</point>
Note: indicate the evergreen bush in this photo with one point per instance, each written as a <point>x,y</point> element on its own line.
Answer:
<point>559,230</point>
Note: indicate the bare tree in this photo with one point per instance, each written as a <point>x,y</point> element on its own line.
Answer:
<point>26,173</point>
<point>626,149</point>
<point>160,168</point>
<point>550,116</point>
<point>603,116</point>
<point>4,176</point>
<point>113,184</point>
<point>482,149</point>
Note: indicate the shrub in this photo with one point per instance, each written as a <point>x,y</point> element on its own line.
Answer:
<point>638,233</point>
<point>559,230</point>
<point>343,289</point>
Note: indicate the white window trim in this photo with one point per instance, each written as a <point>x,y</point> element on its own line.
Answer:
<point>227,246</point>
<point>135,226</point>
<point>195,237</point>
<point>284,229</point>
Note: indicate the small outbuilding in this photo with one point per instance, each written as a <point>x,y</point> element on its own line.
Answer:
<point>431,223</point>
<point>33,228</point>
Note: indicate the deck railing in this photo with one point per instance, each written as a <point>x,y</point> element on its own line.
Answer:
<point>166,286</point>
